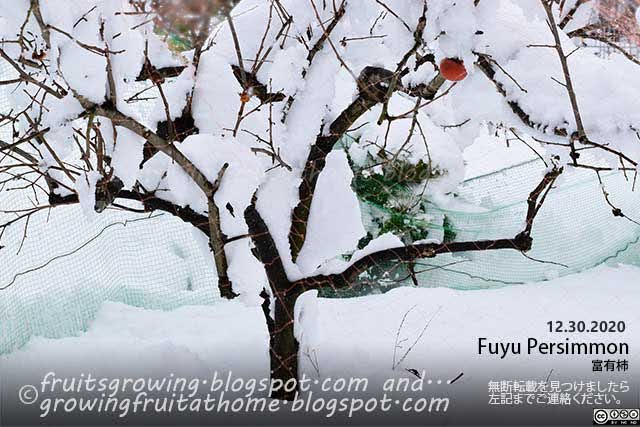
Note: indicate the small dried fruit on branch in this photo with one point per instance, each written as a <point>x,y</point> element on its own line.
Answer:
<point>245,97</point>
<point>39,55</point>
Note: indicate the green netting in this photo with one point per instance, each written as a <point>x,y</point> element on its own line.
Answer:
<point>69,265</point>
<point>575,229</point>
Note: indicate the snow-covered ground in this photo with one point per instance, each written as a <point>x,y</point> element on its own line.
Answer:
<point>355,337</point>
<point>430,331</point>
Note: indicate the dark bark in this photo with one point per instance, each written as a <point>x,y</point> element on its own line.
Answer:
<point>149,72</point>
<point>250,83</point>
<point>283,346</point>
<point>183,126</point>
<point>283,350</point>
<point>372,91</point>
<point>407,254</point>
<point>217,241</point>
<point>521,242</point>
<point>119,119</point>
<point>150,203</point>
<point>487,69</point>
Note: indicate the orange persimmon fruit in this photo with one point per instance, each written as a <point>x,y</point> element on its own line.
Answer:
<point>453,69</point>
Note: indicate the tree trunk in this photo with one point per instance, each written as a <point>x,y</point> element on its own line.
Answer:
<point>283,349</point>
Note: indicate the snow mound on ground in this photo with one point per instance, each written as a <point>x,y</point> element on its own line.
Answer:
<point>352,337</point>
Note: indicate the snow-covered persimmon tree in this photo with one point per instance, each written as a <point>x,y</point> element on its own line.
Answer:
<point>277,117</point>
